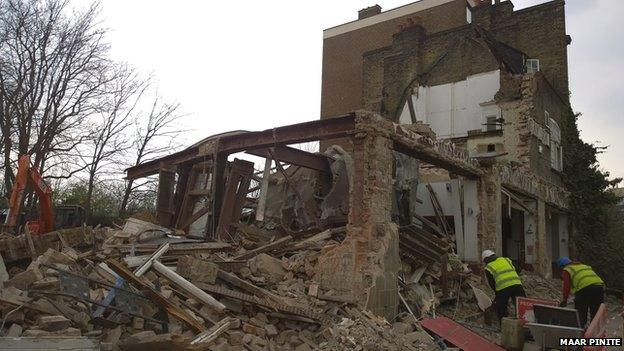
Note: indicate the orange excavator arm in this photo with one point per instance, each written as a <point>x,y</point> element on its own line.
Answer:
<point>30,175</point>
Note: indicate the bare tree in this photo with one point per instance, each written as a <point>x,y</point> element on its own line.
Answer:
<point>115,117</point>
<point>52,72</point>
<point>152,139</point>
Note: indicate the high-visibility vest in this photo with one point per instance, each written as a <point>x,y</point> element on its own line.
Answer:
<point>503,272</point>
<point>581,276</point>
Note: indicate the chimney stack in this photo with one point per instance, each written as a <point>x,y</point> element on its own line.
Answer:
<point>369,12</point>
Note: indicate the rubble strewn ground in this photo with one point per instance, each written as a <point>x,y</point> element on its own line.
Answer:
<point>267,290</point>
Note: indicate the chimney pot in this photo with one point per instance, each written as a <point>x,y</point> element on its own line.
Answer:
<point>369,12</point>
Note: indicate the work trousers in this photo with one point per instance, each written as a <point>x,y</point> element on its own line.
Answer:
<point>501,300</point>
<point>586,300</point>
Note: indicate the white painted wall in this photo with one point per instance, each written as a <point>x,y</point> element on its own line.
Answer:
<point>472,212</point>
<point>455,108</point>
<point>530,232</point>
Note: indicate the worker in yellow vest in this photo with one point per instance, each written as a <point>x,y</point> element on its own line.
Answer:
<point>586,285</point>
<point>503,278</point>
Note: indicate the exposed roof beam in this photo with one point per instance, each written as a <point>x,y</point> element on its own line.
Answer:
<point>295,157</point>
<point>331,128</point>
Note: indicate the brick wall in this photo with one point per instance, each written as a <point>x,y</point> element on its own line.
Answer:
<point>342,54</point>
<point>355,72</point>
<point>538,31</point>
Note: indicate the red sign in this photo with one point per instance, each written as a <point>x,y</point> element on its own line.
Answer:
<point>524,307</point>
<point>597,328</point>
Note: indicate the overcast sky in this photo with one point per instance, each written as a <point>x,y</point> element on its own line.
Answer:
<point>257,64</point>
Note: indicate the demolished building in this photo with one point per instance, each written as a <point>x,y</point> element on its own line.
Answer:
<point>490,79</point>
<point>457,132</point>
<point>438,138</point>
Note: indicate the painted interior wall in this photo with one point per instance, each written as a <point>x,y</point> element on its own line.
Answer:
<point>530,232</point>
<point>455,108</point>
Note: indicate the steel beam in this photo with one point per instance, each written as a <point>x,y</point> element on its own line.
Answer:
<point>295,157</point>
<point>330,128</point>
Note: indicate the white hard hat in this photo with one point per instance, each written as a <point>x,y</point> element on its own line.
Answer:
<point>487,253</point>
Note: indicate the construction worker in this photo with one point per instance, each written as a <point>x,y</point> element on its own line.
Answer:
<point>586,285</point>
<point>503,279</point>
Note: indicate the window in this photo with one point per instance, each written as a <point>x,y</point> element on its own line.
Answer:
<point>532,65</point>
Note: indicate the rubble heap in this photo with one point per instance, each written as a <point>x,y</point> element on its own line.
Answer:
<point>142,286</point>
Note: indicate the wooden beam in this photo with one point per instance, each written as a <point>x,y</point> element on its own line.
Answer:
<point>265,248</point>
<point>430,156</point>
<point>155,296</point>
<point>264,188</point>
<point>187,286</point>
<point>238,181</point>
<point>165,196</point>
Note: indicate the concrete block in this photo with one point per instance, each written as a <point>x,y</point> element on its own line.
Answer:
<point>53,323</point>
<point>53,257</point>
<point>512,334</point>
<point>14,331</point>
<point>252,329</point>
<point>196,270</point>
<point>303,347</point>
<point>269,266</point>
<point>24,279</point>
<point>4,275</point>
<point>270,330</point>
<point>236,338</point>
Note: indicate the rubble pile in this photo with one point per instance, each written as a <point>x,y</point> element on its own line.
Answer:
<point>142,286</point>
<point>539,287</point>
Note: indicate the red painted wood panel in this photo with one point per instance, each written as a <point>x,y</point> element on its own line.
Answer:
<point>459,335</point>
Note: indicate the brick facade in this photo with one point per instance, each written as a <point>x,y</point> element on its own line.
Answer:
<point>342,54</point>
<point>352,66</point>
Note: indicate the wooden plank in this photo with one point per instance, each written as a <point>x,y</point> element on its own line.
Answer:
<point>119,281</point>
<point>266,248</point>
<point>437,208</point>
<point>164,197</point>
<point>264,187</point>
<point>459,335</point>
<point>187,286</point>
<point>236,192</point>
<point>213,333</point>
<point>197,215</point>
<point>245,285</point>
<point>155,296</point>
